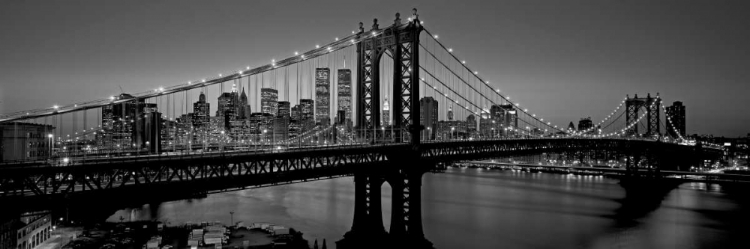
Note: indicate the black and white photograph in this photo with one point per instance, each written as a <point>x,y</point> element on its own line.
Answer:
<point>427,124</point>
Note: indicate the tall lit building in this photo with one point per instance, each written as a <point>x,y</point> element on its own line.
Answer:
<point>201,110</point>
<point>428,117</point>
<point>147,134</point>
<point>345,92</point>
<point>322,96</point>
<point>485,123</point>
<point>227,105</point>
<point>386,121</point>
<point>471,123</point>
<point>243,109</point>
<point>676,114</point>
<point>510,116</point>
<point>307,108</point>
<point>269,101</point>
<point>585,124</point>
<point>284,109</point>
<point>118,120</point>
<point>296,112</point>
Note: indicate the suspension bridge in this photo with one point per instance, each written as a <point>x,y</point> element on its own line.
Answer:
<point>319,113</point>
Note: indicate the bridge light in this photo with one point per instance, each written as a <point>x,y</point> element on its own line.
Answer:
<point>317,46</point>
<point>463,62</point>
<point>450,50</point>
<point>476,72</point>
<point>337,39</point>
<point>296,53</point>
<point>436,37</point>
<point>220,75</point>
<point>204,80</point>
<point>56,107</point>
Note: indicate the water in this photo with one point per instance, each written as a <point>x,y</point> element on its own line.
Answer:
<point>478,208</point>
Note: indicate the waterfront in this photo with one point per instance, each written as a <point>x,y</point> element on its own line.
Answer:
<point>481,208</point>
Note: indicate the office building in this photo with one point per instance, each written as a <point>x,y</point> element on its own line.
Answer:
<point>147,135</point>
<point>471,123</point>
<point>571,127</point>
<point>322,96</point>
<point>586,125</point>
<point>201,112</point>
<point>228,104</point>
<point>244,108</point>
<point>428,115</point>
<point>284,109</point>
<point>676,113</point>
<point>269,101</point>
<point>118,120</point>
<point>386,121</point>
<point>345,92</point>
<point>307,108</point>
<point>25,141</point>
<point>296,112</point>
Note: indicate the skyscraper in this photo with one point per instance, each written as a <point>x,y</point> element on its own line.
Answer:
<point>307,112</point>
<point>322,96</point>
<point>243,109</point>
<point>676,113</point>
<point>386,121</point>
<point>585,124</point>
<point>268,100</point>
<point>510,116</point>
<point>471,123</point>
<point>428,109</point>
<point>284,109</point>
<point>345,92</point>
<point>296,112</point>
<point>571,127</point>
<point>201,110</point>
<point>118,120</point>
<point>228,103</point>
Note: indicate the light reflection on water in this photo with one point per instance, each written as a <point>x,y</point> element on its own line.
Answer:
<point>472,208</point>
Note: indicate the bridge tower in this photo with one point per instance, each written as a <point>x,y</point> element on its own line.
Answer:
<point>405,169</point>
<point>401,40</point>
<point>652,105</point>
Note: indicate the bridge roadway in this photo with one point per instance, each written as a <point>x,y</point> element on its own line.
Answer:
<point>226,170</point>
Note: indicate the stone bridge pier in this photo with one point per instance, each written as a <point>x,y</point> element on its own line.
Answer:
<point>403,173</point>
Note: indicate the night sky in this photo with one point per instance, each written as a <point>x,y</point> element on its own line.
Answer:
<point>563,60</point>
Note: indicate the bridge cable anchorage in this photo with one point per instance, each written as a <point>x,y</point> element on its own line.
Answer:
<point>475,74</point>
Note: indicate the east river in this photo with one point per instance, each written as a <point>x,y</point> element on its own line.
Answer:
<point>479,208</point>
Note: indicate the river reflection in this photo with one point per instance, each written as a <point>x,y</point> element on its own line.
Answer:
<point>479,208</point>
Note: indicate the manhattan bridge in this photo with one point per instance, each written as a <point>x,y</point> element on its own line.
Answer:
<point>323,113</point>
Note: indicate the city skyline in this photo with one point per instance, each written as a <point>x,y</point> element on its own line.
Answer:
<point>615,62</point>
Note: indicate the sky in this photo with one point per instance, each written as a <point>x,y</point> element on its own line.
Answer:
<point>563,60</point>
